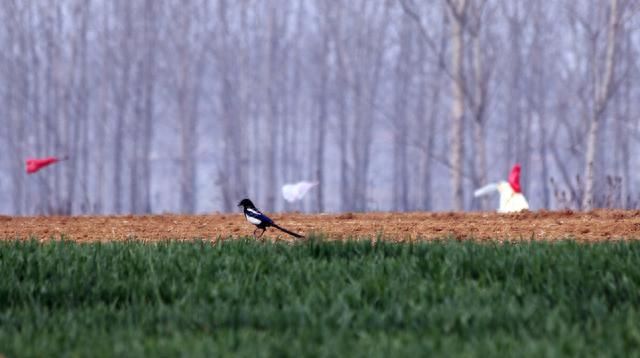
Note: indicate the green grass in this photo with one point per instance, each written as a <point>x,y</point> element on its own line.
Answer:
<point>338,299</point>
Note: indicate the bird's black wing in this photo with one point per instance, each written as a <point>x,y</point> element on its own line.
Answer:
<point>259,216</point>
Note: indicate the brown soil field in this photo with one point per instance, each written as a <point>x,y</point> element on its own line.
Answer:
<point>543,225</point>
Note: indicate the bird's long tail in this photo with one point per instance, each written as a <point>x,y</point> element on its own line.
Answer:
<point>288,232</point>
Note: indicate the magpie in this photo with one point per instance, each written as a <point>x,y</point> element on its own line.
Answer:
<point>260,220</point>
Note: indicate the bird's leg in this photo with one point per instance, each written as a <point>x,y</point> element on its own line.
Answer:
<point>257,237</point>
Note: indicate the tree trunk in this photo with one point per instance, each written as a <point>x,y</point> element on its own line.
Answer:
<point>122,102</point>
<point>399,123</point>
<point>271,125</point>
<point>479,106</point>
<point>480,160</point>
<point>149,87</point>
<point>322,124</point>
<point>457,105</point>
<point>590,156</point>
<point>602,95</point>
<point>345,179</point>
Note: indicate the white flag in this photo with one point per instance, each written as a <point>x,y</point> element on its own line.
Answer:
<point>296,191</point>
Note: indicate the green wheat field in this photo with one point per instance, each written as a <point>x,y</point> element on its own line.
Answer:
<point>356,298</point>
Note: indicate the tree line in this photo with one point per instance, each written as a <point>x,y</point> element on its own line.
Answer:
<point>190,105</point>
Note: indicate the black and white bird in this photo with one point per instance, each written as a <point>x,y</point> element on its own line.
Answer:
<point>260,220</point>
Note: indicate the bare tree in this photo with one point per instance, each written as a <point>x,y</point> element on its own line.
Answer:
<point>190,61</point>
<point>232,175</point>
<point>322,94</point>
<point>478,96</point>
<point>145,111</point>
<point>14,117</point>
<point>602,94</point>
<point>121,95</point>
<point>457,15</point>
<point>400,121</point>
<point>363,81</point>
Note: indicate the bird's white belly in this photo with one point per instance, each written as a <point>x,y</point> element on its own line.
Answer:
<point>253,220</point>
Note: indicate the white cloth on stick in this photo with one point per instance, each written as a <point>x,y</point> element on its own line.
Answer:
<point>297,191</point>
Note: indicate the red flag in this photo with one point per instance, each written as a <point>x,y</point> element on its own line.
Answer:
<point>514,178</point>
<point>35,164</point>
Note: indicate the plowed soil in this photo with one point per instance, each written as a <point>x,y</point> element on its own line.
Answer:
<point>592,226</point>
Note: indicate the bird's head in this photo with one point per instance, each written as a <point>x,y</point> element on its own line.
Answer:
<point>246,203</point>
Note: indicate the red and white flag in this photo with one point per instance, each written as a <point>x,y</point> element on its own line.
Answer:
<point>511,198</point>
